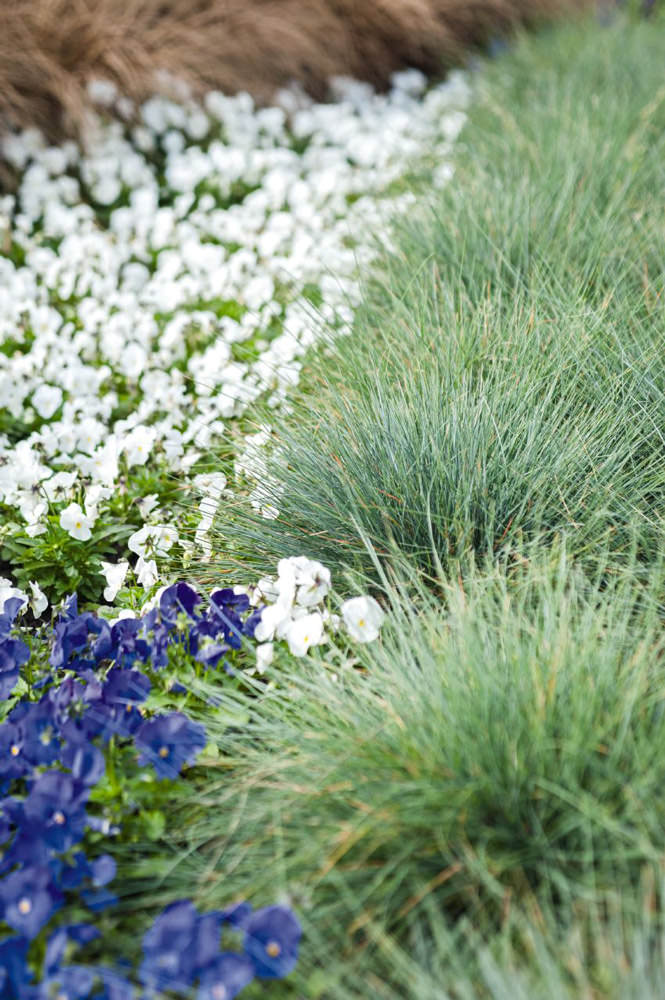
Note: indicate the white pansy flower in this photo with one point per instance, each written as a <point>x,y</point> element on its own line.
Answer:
<point>133,361</point>
<point>34,529</point>
<point>264,656</point>
<point>147,504</point>
<point>124,613</point>
<point>274,617</point>
<point>94,495</point>
<point>312,580</point>
<point>59,484</point>
<point>363,618</point>
<point>146,572</point>
<point>32,507</point>
<point>76,523</point>
<point>104,463</point>
<point>114,574</point>
<point>304,632</point>
<point>38,600</point>
<point>266,590</point>
<point>286,583</point>
<point>138,445</point>
<point>46,400</point>
<point>138,541</point>
<point>164,537</point>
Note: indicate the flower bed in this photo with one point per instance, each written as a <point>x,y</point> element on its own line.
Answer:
<point>83,742</point>
<point>158,291</point>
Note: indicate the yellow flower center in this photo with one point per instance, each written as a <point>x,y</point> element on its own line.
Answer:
<point>361,623</point>
<point>273,949</point>
<point>163,751</point>
<point>24,906</point>
<point>14,750</point>
<point>59,817</point>
<point>78,524</point>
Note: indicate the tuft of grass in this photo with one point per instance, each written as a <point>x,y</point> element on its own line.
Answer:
<point>504,380</point>
<point>497,757</point>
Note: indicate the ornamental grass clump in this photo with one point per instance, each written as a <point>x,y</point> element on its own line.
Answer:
<point>505,378</point>
<point>500,750</point>
<point>50,49</point>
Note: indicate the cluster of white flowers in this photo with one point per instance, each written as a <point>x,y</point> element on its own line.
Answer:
<point>159,280</point>
<point>296,611</point>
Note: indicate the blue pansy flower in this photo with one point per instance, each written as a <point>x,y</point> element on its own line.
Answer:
<point>206,942</point>
<point>178,598</point>
<point>74,982</point>
<point>127,644</point>
<point>60,938</point>
<point>225,609</point>
<point>70,636</point>
<point>15,974</point>
<point>62,697</point>
<point>237,914</point>
<point>73,873</point>
<point>56,807</point>
<point>97,720</point>
<point>225,977</point>
<point>6,821</point>
<point>102,647</point>
<point>102,870</point>
<point>161,640</point>
<point>13,652</point>
<point>125,687</point>
<point>272,936</point>
<point>85,761</point>
<point>41,737</point>
<point>211,653</point>
<point>168,959</point>
<point>114,986</point>
<point>30,899</point>
<point>228,599</point>
<point>13,762</point>
<point>25,849</point>
<point>169,741</point>
<point>252,621</point>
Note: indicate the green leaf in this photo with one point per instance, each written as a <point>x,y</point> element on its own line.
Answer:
<point>153,823</point>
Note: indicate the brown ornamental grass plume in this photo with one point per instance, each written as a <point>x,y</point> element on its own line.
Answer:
<point>49,49</point>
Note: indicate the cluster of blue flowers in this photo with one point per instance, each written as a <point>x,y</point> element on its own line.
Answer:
<point>181,952</point>
<point>182,948</point>
<point>53,752</point>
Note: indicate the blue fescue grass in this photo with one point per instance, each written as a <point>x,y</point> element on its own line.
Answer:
<point>504,379</point>
<point>498,755</point>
